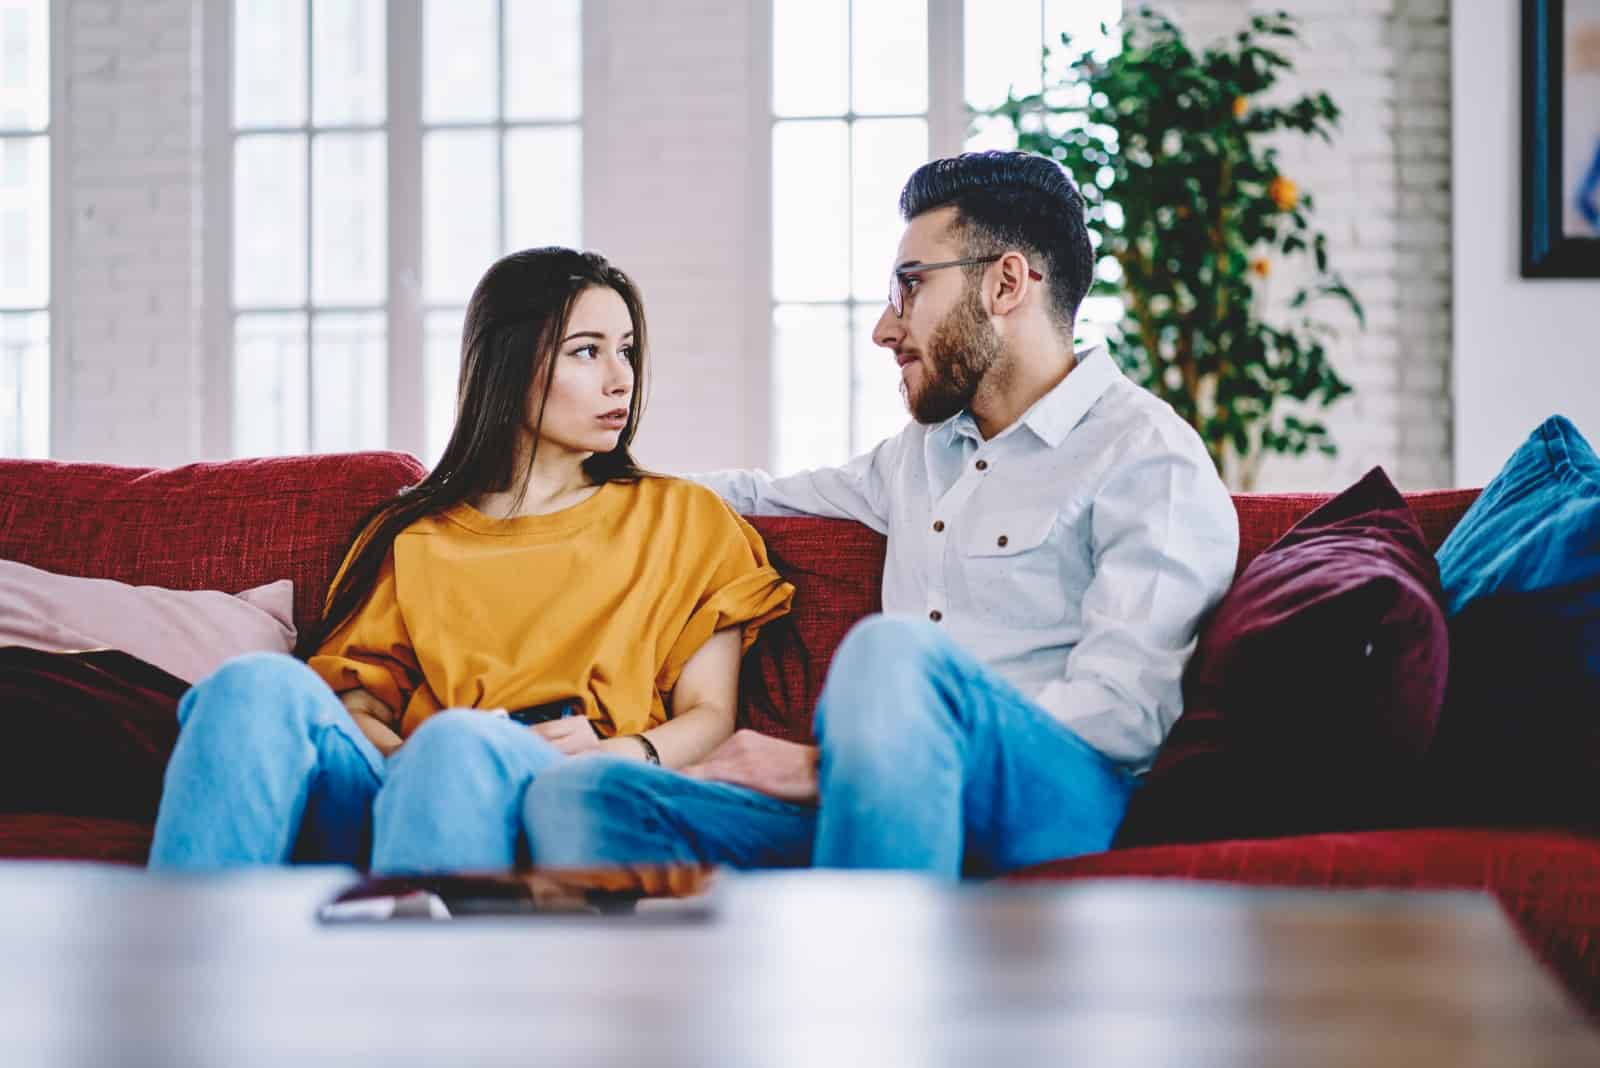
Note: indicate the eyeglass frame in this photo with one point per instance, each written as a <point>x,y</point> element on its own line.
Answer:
<point>897,277</point>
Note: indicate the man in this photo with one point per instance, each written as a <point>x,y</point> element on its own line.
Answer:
<point>1055,534</point>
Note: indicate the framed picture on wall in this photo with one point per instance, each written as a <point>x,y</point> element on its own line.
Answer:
<point>1561,138</point>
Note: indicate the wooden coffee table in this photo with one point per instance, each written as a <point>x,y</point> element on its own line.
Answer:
<point>104,965</point>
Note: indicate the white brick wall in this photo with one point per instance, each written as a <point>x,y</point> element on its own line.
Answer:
<point>677,193</point>
<point>130,340</point>
<point>1383,196</point>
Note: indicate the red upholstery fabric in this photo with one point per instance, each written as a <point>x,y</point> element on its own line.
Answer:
<point>47,836</point>
<point>1265,517</point>
<point>837,570</point>
<point>1548,882</point>
<point>223,526</point>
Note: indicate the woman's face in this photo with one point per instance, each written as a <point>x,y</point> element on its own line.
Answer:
<point>590,398</point>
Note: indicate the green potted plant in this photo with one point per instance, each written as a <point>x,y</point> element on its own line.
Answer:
<point>1192,217</point>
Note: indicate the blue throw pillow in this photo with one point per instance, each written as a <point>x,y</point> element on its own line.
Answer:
<point>1519,735</point>
<point>1535,527</point>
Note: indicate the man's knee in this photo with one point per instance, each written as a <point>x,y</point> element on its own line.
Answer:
<point>874,689</point>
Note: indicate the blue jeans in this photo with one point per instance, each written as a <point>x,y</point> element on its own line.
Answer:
<point>929,762</point>
<point>269,768</point>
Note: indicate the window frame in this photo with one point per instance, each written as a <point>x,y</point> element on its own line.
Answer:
<point>403,307</point>
<point>57,276</point>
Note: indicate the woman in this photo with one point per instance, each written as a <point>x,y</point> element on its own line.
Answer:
<point>557,600</point>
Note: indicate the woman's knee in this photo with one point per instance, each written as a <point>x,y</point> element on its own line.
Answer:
<point>238,694</point>
<point>453,739</point>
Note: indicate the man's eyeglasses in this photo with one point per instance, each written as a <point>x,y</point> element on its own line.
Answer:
<point>897,277</point>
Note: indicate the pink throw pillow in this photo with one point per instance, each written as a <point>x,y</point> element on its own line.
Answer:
<point>188,633</point>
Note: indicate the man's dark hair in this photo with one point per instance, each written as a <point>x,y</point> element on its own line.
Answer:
<point>1012,200</point>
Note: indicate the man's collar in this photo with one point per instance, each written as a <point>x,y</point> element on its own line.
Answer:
<point>1053,415</point>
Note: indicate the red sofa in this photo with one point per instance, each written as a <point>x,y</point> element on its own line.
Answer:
<point>235,525</point>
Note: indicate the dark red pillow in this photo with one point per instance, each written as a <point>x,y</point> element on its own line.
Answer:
<point>1315,689</point>
<point>86,734</point>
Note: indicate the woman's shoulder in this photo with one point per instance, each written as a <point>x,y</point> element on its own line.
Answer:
<point>682,493</point>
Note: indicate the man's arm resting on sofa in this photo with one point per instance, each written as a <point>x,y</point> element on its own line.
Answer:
<point>855,491</point>
<point>377,720</point>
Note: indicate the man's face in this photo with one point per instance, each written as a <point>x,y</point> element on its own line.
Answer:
<point>943,340</point>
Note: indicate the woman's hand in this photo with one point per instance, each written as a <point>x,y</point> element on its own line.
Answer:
<point>571,735</point>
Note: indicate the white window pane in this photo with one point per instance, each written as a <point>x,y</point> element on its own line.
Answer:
<point>889,42</point>
<point>349,219</point>
<point>25,385</point>
<point>441,360</point>
<point>24,222</point>
<point>810,57</point>
<point>460,61</point>
<point>1082,19</point>
<point>1003,49</point>
<point>348,43</point>
<point>269,63</point>
<point>878,408</point>
<point>810,211</point>
<point>460,212</point>
<point>350,392</point>
<point>269,385</point>
<point>24,64</point>
<point>269,220</point>
<point>810,387</point>
<point>544,59</point>
<point>991,132</point>
<point>544,187</point>
<point>886,152</point>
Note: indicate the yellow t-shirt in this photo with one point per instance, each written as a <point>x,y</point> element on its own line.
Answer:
<point>605,602</point>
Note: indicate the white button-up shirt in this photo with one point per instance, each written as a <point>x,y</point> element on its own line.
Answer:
<point>1074,553</point>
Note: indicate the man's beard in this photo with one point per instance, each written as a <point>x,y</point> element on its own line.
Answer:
<point>961,351</point>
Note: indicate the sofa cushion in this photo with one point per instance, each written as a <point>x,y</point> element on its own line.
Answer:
<point>1324,666</point>
<point>1519,741</point>
<point>86,734</point>
<point>211,526</point>
<point>837,570</point>
<point>1548,883</point>
<point>187,632</point>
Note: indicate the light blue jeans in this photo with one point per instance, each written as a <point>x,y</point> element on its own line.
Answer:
<point>929,762</point>
<point>269,768</point>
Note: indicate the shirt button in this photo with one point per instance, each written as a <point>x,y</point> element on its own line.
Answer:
<point>936,615</point>
<point>983,465</point>
<point>1002,541</point>
<point>938,526</point>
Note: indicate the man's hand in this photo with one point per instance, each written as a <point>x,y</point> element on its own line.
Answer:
<point>571,734</point>
<point>767,765</point>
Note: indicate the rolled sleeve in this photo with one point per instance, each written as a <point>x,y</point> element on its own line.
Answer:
<point>372,650</point>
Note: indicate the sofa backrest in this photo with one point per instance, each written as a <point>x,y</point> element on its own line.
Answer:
<point>230,526</point>
<point>209,526</point>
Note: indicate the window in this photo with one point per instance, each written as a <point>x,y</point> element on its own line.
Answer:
<point>501,159</point>
<point>851,106</point>
<point>384,154</point>
<point>24,228</point>
<point>850,101</point>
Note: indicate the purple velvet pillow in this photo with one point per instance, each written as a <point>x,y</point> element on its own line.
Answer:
<point>1315,689</point>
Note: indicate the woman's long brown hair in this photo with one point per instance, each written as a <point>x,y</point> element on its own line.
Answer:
<point>513,328</point>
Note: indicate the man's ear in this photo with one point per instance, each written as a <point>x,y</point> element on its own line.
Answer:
<point>1009,283</point>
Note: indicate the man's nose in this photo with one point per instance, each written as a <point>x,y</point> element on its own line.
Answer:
<point>888,330</point>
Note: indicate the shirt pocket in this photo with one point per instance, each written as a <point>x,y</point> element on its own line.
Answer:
<point>1012,569</point>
